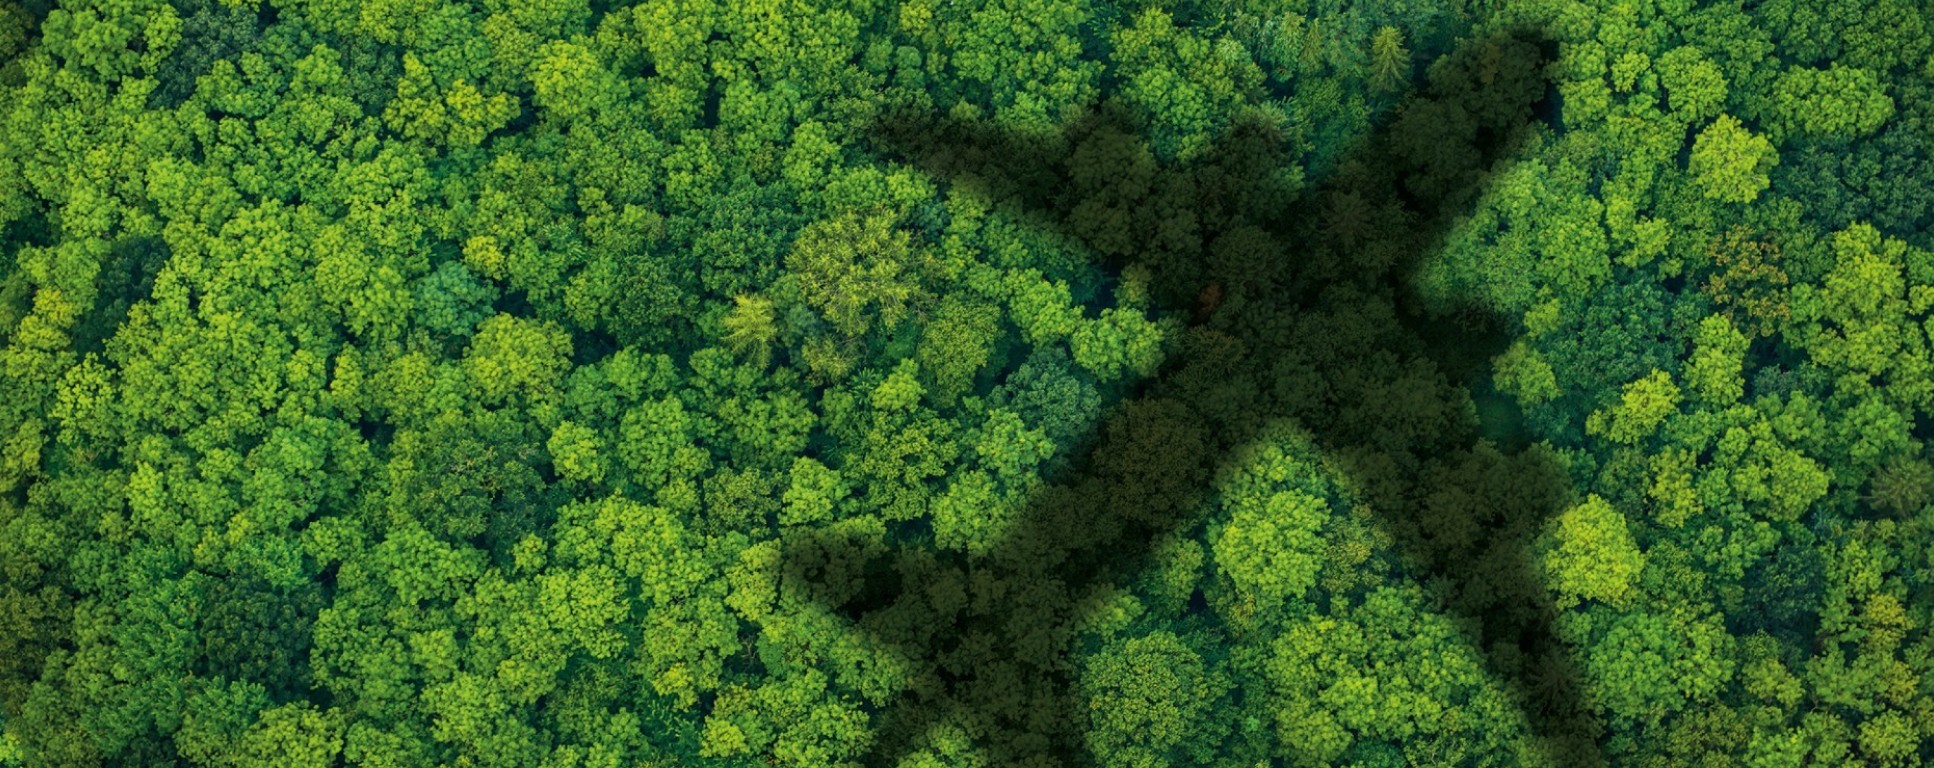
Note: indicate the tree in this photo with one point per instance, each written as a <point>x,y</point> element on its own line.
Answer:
<point>452,300</point>
<point>1903,486</point>
<point>1591,555</point>
<point>814,492</point>
<point>1729,163</point>
<point>1644,404</point>
<point>1715,373</point>
<point>955,345</point>
<point>1694,86</point>
<point>749,328</point>
<point>855,269</point>
<point>568,81</point>
<point>574,452</point>
<point>1524,373</point>
<point>1748,281</point>
<point>1390,61</point>
<point>1837,102</point>
<point>292,735</point>
<point>511,357</point>
<point>1185,85</point>
<point>1648,666</point>
<point>1270,547</point>
<point>1350,683</point>
<point>1120,342</point>
<point>1143,694</point>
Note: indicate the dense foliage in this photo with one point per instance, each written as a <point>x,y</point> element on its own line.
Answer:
<point>970,383</point>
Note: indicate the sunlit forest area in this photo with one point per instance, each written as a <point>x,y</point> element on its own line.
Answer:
<point>967,383</point>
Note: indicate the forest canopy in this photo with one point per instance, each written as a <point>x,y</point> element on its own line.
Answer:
<point>579,383</point>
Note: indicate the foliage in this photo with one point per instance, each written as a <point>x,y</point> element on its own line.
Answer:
<point>517,383</point>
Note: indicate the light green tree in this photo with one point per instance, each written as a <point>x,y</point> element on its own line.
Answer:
<point>1730,163</point>
<point>1590,555</point>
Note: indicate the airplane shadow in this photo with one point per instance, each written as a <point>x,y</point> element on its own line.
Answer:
<point>1300,308</point>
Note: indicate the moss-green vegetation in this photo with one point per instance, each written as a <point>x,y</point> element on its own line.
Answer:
<point>572,383</point>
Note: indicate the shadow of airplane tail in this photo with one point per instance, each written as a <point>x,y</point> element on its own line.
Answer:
<point>1300,311</point>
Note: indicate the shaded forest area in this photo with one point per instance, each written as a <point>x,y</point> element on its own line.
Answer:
<point>967,383</point>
